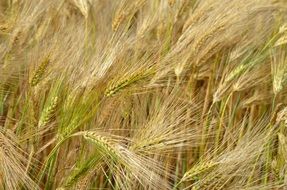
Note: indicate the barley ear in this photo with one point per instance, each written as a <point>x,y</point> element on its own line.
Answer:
<point>125,82</point>
<point>38,74</point>
<point>49,112</point>
<point>119,18</point>
<point>105,147</point>
<point>199,169</point>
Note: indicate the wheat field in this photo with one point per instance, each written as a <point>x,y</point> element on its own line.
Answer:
<point>143,94</point>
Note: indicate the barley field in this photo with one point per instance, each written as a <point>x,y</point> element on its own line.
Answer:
<point>143,94</point>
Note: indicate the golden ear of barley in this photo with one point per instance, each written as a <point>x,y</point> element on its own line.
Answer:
<point>84,182</point>
<point>282,116</point>
<point>40,72</point>
<point>49,112</point>
<point>282,40</point>
<point>3,147</point>
<point>83,6</point>
<point>102,142</point>
<point>42,29</point>
<point>171,2</point>
<point>282,139</point>
<point>200,42</point>
<point>210,51</point>
<point>277,109</point>
<point>193,19</point>
<point>199,169</point>
<point>144,145</point>
<point>159,31</point>
<point>119,18</point>
<point>283,28</point>
<point>15,38</point>
<point>4,28</point>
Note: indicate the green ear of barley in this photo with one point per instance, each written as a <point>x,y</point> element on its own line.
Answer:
<point>113,89</point>
<point>236,72</point>
<point>38,75</point>
<point>49,112</point>
<point>83,170</point>
<point>214,182</point>
<point>199,169</point>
